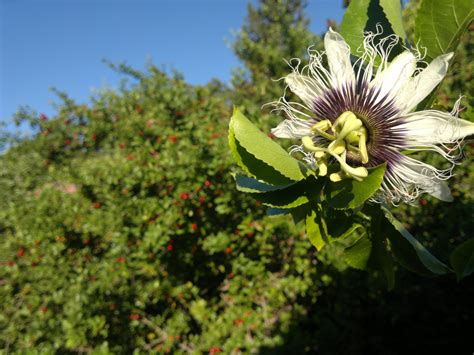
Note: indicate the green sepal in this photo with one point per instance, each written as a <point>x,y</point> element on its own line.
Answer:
<point>350,193</point>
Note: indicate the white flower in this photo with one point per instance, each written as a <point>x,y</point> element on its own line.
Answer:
<point>359,116</point>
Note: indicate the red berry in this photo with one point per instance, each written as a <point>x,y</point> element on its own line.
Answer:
<point>173,139</point>
<point>184,196</point>
<point>134,316</point>
<point>228,250</point>
<point>169,247</point>
<point>194,227</point>
<point>423,202</point>
<point>20,252</point>
<point>214,350</point>
<point>207,183</point>
<point>120,259</point>
<point>238,322</point>
<point>202,199</point>
<point>94,137</point>
<point>68,142</point>
<point>97,205</point>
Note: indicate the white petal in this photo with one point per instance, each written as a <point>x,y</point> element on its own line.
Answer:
<point>411,177</point>
<point>435,127</point>
<point>423,84</point>
<point>441,191</point>
<point>398,73</point>
<point>303,86</point>
<point>339,59</point>
<point>292,129</point>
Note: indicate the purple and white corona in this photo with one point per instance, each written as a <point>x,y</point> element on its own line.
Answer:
<point>356,115</point>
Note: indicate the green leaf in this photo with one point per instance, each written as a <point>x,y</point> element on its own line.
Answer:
<point>351,193</point>
<point>354,23</point>
<point>278,211</point>
<point>365,15</point>
<point>358,254</point>
<point>462,259</point>
<point>300,213</point>
<point>323,228</point>
<point>408,251</point>
<point>288,196</point>
<point>440,24</point>
<point>251,185</point>
<point>341,224</point>
<point>253,166</point>
<point>393,13</point>
<point>380,258</point>
<point>260,156</point>
<point>316,228</point>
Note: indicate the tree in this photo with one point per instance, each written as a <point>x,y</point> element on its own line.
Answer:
<point>274,32</point>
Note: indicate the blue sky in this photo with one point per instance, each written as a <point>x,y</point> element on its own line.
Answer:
<point>61,43</point>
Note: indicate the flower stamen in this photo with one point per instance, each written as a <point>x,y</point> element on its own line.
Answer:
<point>347,130</point>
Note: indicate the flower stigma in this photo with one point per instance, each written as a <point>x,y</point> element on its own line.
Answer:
<point>346,133</point>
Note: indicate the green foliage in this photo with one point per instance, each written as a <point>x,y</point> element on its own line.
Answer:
<point>366,15</point>
<point>393,12</point>
<point>440,24</point>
